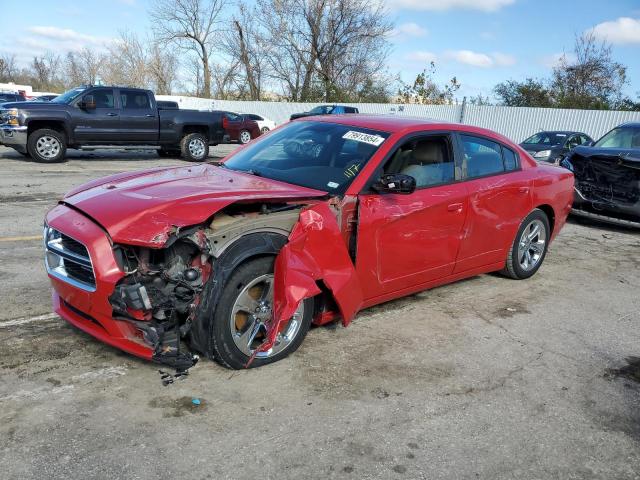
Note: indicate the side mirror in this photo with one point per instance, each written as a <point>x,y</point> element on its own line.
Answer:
<point>395,183</point>
<point>88,102</point>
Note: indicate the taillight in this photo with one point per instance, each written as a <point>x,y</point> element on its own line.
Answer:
<point>225,122</point>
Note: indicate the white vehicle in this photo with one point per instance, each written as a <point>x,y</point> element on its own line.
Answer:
<point>264,123</point>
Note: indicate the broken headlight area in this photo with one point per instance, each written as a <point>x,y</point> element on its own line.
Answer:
<point>160,294</point>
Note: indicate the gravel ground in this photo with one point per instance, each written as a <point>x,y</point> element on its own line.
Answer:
<point>486,378</point>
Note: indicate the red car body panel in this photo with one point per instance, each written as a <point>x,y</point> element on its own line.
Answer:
<point>314,253</point>
<point>143,209</point>
<point>465,228</point>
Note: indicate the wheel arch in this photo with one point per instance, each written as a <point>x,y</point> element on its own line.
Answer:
<point>551,215</point>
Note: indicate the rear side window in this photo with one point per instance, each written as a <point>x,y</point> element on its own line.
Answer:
<point>133,100</point>
<point>350,110</point>
<point>483,157</point>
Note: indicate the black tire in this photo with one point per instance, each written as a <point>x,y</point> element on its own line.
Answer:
<point>264,130</point>
<point>247,137</point>
<point>41,155</point>
<point>223,348</point>
<point>192,154</point>
<point>514,265</point>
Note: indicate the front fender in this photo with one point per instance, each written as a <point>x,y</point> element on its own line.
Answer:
<point>315,252</point>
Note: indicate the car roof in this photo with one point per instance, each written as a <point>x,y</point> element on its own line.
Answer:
<point>566,132</point>
<point>630,124</point>
<point>400,123</point>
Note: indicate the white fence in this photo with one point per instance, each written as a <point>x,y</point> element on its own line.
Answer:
<point>516,123</point>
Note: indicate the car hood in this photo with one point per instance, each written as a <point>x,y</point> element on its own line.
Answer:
<point>34,105</point>
<point>533,147</point>
<point>606,152</point>
<point>144,208</point>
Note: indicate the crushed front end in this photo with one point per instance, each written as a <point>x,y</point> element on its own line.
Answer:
<point>607,186</point>
<point>140,300</point>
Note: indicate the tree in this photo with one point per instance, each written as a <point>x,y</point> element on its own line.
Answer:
<point>425,91</point>
<point>192,24</point>
<point>162,67</point>
<point>530,93</point>
<point>593,80</point>
<point>323,49</point>
<point>8,68</point>
<point>45,70</point>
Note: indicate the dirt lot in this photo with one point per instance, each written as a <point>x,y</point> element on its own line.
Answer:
<point>487,378</point>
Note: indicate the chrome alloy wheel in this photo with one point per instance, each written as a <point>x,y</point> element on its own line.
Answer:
<point>251,313</point>
<point>245,137</point>
<point>196,147</point>
<point>531,245</point>
<point>48,147</point>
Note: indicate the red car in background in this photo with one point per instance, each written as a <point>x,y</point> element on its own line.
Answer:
<point>239,128</point>
<point>319,219</point>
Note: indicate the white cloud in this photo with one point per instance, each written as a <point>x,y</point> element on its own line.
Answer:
<point>409,29</point>
<point>482,60</point>
<point>439,5</point>
<point>620,31</point>
<point>64,34</point>
<point>421,56</point>
<point>503,60</point>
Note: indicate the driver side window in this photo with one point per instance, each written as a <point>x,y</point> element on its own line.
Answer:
<point>429,160</point>
<point>104,98</point>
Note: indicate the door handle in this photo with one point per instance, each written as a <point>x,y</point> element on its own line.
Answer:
<point>455,207</point>
<point>112,114</point>
<point>523,189</point>
<point>150,115</point>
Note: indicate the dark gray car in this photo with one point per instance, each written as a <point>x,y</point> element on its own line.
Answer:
<point>553,146</point>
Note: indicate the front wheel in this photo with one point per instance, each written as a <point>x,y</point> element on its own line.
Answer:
<point>245,137</point>
<point>194,147</point>
<point>529,247</point>
<point>265,129</point>
<point>244,310</point>
<point>47,146</point>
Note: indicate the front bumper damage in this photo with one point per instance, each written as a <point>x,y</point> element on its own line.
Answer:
<point>607,187</point>
<point>146,300</point>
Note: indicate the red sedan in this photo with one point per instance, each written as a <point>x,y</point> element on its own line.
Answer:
<point>314,222</point>
<point>239,128</point>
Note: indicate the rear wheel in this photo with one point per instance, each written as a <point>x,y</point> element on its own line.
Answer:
<point>47,146</point>
<point>244,137</point>
<point>529,247</point>
<point>194,147</point>
<point>244,310</point>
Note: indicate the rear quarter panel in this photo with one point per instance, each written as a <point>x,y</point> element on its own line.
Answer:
<point>553,186</point>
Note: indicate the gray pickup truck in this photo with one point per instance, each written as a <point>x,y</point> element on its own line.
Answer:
<point>93,117</point>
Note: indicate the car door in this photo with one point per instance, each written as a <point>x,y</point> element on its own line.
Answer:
<point>500,197</point>
<point>99,125</point>
<point>232,124</point>
<point>407,240</point>
<point>139,123</point>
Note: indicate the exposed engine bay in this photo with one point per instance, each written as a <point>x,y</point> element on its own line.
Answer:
<point>607,183</point>
<point>162,290</point>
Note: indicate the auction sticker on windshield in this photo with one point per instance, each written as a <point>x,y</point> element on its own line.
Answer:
<point>363,137</point>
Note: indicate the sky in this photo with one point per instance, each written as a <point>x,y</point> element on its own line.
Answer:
<point>481,42</point>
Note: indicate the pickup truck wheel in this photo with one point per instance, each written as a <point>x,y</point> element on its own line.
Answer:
<point>47,146</point>
<point>529,247</point>
<point>240,316</point>
<point>244,137</point>
<point>194,147</point>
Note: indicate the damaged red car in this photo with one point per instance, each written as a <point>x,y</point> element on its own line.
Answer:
<point>312,223</point>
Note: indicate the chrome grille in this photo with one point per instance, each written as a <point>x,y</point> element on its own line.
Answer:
<point>68,259</point>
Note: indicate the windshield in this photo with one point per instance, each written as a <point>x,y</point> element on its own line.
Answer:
<point>322,110</point>
<point>69,96</point>
<point>319,155</point>
<point>621,137</point>
<point>546,138</point>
